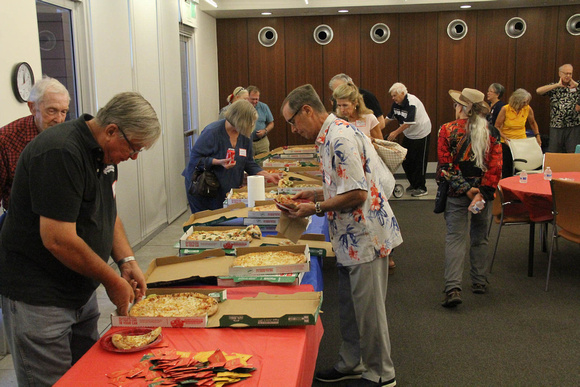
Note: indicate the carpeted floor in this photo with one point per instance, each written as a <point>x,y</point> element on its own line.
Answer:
<point>516,335</point>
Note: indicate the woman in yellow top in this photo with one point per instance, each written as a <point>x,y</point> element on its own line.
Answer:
<point>511,123</point>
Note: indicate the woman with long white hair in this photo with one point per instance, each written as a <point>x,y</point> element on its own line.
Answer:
<point>469,158</point>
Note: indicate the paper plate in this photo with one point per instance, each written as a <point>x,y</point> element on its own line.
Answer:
<point>107,344</point>
<point>285,208</point>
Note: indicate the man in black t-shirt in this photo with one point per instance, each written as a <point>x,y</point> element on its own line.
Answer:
<point>62,227</point>
<point>370,99</point>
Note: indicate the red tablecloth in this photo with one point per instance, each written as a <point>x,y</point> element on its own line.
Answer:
<point>282,356</point>
<point>536,194</point>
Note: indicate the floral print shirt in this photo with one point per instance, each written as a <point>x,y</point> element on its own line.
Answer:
<point>563,112</point>
<point>349,162</point>
<point>463,174</point>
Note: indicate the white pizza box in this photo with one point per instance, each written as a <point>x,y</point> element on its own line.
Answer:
<point>261,221</point>
<point>278,269</point>
<point>271,191</point>
<point>273,163</point>
<point>299,149</point>
<point>262,310</point>
<point>303,155</point>
<point>289,279</point>
<point>309,171</point>
<point>186,243</point>
<point>219,295</point>
<point>314,241</point>
<point>301,186</point>
<point>263,214</point>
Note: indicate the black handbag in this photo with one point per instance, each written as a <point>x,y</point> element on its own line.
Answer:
<point>204,183</point>
<point>443,188</point>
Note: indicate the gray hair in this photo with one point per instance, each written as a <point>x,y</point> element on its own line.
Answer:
<point>134,115</point>
<point>243,116</point>
<point>398,88</point>
<point>46,85</point>
<point>498,88</point>
<point>339,77</point>
<point>478,133</point>
<point>519,98</point>
<point>304,95</point>
<point>564,65</point>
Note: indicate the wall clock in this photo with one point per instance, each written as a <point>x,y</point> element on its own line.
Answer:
<point>22,81</point>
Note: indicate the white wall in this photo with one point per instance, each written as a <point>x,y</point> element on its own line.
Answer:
<point>18,21</point>
<point>134,46</point>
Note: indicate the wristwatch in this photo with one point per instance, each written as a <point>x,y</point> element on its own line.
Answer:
<point>318,210</point>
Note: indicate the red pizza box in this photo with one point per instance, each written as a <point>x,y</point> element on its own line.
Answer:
<point>279,269</point>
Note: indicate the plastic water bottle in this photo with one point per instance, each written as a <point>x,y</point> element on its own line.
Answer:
<point>548,173</point>
<point>477,206</point>
<point>523,177</point>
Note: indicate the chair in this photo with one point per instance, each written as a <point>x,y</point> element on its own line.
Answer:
<point>562,162</point>
<point>510,213</point>
<point>566,209</point>
<point>527,155</point>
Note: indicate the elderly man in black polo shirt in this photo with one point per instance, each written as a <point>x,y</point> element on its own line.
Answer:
<point>61,229</point>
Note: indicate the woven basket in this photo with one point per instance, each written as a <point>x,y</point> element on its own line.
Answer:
<point>392,153</point>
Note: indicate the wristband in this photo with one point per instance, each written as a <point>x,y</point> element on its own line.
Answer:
<point>536,135</point>
<point>125,260</point>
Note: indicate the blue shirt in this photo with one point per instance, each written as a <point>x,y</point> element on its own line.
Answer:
<point>264,118</point>
<point>213,143</point>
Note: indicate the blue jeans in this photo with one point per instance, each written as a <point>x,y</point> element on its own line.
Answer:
<point>457,216</point>
<point>45,341</point>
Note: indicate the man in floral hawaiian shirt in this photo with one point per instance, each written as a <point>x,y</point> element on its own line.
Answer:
<point>363,231</point>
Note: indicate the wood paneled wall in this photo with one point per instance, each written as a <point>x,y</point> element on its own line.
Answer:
<point>418,53</point>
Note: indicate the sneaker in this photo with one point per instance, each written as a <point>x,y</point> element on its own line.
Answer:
<point>419,192</point>
<point>452,298</point>
<point>332,375</point>
<point>479,288</point>
<point>366,382</point>
<point>409,189</point>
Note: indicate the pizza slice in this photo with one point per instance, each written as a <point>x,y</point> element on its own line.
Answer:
<point>136,341</point>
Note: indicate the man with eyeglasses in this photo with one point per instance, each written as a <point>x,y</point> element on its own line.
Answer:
<point>564,117</point>
<point>48,104</point>
<point>363,232</point>
<point>61,229</point>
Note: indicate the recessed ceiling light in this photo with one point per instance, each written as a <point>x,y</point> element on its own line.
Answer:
<point>306,1</point>
<point>266,13</point>
<point>465,6</point>
<point>343,10</point>
<point>211,2</point>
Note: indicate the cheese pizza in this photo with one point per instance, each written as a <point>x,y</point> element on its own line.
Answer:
<point>175,305</point>
<point>235,234</point>
<point>135,341</point>
<point>267,207</point>
<point>286,201</point>
<point>269,258</point>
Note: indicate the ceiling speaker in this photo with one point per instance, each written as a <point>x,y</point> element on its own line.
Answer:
<point>267,36</point>
<point>457,29</point>
<point>380,33</point>
<point>573,24</point>
<point>515,27</point>
<point>323,34</point>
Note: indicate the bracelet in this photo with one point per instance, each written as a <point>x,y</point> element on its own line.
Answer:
<point>125,260</point>
<point>537,134</point>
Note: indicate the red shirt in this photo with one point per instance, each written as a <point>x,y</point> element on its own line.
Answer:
<point>13,138</point>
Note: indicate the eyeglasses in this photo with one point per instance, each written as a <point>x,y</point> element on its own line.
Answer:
<point>133,150</point>
<point>291,120</point>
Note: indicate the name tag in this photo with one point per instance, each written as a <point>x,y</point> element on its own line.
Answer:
<point>360,123</point>
<point>243,152</point>
<point>327,178</point>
